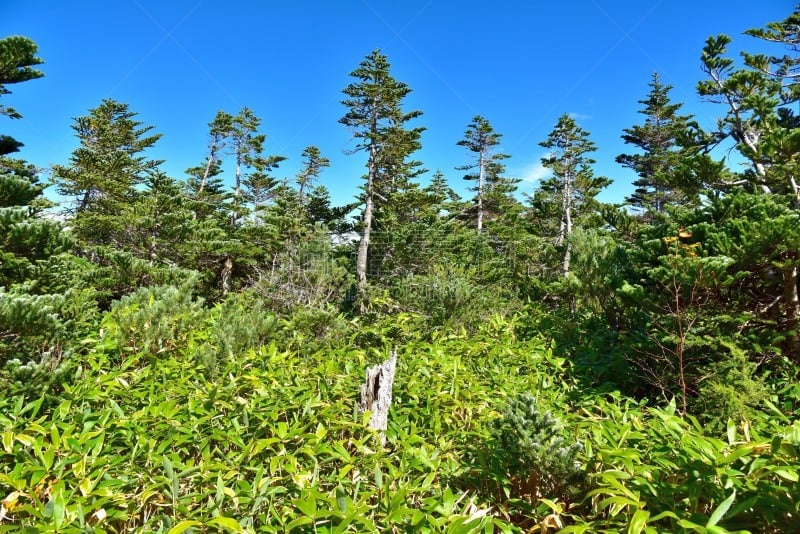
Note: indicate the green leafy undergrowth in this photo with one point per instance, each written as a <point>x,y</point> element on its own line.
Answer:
<point>273,443</point>
<point>487,433</point>
<point>654,471</point>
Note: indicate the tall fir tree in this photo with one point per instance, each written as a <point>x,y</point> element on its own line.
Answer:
<point>218,131</point>
<point>105,170</point>
<point>380,127</point>
<point>486,169</point>
<point>18,60</point>
<point>659,140</point>
<point>246,145</point>
<point>758,100</point>
<point>784,67</point>
<point>569,195</point>
<point>313,165</point>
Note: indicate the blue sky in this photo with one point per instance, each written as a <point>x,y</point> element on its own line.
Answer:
<point>521,64</point>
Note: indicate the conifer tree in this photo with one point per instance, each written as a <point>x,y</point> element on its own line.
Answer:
<point>42,306</point>
<point>159,223</point>
<point>486,169</point>
<point>569,194</point>
<point>260,186</point>
<point>658,139</point>
<point>105,170</point>
<point>443,201</point>
<point>247,146</point>
<point>758,99</point>
<point>313,164</point>
<point>17,61</point>
<point>379,125</point>
<point>319,210</point>
<point>218,131</point>
<point>25,238</point>
<point>786,67</point>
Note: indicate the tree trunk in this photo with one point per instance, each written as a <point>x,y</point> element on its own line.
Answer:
<point>791,304</point>
<point>237,191</point>
<point>206,173</point>
<point>226,275</point>
<point>566,223</point>
<point>376,394</point>
<point>481,178</point>
<point>363,245</point>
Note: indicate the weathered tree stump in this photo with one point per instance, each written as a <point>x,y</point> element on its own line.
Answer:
<point>376,393</point>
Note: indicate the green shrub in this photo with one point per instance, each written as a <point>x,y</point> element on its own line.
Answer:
<point>734,391</point>
<point>155,321</point>
<point>532,448</point>
<point>239,323</point>
<point>40,335</point>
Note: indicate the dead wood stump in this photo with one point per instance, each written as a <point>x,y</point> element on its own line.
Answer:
<point>376,394</point>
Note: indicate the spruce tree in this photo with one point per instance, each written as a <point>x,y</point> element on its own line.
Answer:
<point>17,61</point>
<point>758,99</point>
<point>379,125</point>
<point>569,195</point>
<point>486,169</point>
<point>658,139</point>
<point>104,171</point>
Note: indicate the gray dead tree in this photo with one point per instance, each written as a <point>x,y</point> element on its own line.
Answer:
<point>376,393</point>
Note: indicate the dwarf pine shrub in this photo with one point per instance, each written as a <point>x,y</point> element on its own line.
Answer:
<point>534,451</point>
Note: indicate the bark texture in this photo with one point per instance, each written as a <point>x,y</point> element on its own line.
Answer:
<point>376,393</point>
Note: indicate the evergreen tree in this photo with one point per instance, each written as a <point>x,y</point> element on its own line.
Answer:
<point>219,130</point>
<point>658,139</point>
<point>26,239</point>
<point>486,170</point>
<point>106,169</point>
<point>247,146</point>
<point>159,223</point>
<point>569,194</point>
<point>260,186</point>
<point>208,196</point>
<point>758,99</point>
<point>320,211</point>
<point>313,164</point>
<point>44,306</point>
<point>375,115</point>
<point>17,61</point>
<point>443,202</point>
<point>786,67</point>
<point>759,118</point>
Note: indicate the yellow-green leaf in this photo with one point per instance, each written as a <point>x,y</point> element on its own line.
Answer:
<point>183,525</point>
<point>228,523</point>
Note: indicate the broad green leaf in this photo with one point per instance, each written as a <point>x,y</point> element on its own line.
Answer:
<point>307,505</point>
<point>341,499</point>
<point>228,523</point>
<point>721,510</point>
<point>638,521</point>
<point>298,522</point>
<point>183,526</point>
<point>786,473</point>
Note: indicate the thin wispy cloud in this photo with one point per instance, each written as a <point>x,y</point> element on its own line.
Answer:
<point>579,116</point>
<point>533,172</point>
